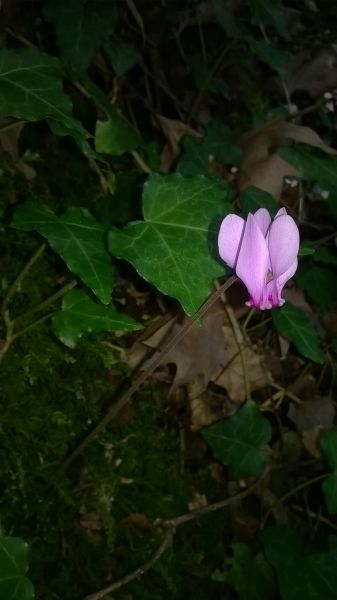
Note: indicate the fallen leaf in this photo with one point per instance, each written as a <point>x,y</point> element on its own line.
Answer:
<point>208,352</point>
<point>199,501</point>
<point>313,413</point>
<point>310,439</point>
<point>315,75</point>
<point>261,167</point>
<point>9,143</point>
<point>233,375</point>
<point>138,521</point>
<point>174,131</point>
<point>205,408</point>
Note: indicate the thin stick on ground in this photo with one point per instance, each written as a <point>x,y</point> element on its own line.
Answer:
<point>171,526</point>
<point>143,375</point>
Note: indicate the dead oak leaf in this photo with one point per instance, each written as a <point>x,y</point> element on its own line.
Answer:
<point>261,166</point>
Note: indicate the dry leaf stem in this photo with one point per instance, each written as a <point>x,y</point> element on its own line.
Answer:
<point>241,345</point>
<point>143,375</point>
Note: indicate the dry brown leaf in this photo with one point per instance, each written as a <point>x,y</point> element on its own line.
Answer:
<point>314,75</point>
<point>232,377</point>
<point>174,131</point>
<point>205,408</point>
<point>9,143</point>
<point>138,521</point>
<point>199,501</point>
<point>312,413</point>
<point>261,166</point>
<point>310,440</point>
<point>208,353</point>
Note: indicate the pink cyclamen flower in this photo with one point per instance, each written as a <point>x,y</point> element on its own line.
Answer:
<point>263,253</point>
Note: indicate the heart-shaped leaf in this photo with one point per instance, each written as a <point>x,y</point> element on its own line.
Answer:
<point>294,324</point>
<point>175,246</point>
<point>236,441</point>
<point>31,89</point>
<point>81,315</point>
<point>14,585</point>
<point>80,28</point>
<point>78,238</point>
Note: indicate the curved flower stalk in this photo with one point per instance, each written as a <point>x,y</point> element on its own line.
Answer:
<point>263,253</point>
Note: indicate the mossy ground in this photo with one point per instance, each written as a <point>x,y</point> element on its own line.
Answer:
<point>93,523</point>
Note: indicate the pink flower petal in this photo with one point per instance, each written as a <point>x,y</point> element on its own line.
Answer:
<point>263,219</point>
<point>283,243</point>
<point>276,286</point>
<point>230,235</point>
<point>280,212</point>
<point>252,262</point>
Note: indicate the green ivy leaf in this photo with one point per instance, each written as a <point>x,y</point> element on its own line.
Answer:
<point>116,136</point>
<point>276,59</point>
<point>269,12</point>
<point>326,256</point>
<point>237,440</point>
<point>226,19</point>
<point>253,198</point>
<point>31,89</point>
<point>249,574</point>
<point>313,164</point>
<point>328,443</point>
<point>216,144</point>
<point>171,248</point>
<point>204,80</point>
<point>300,575</point>
<point>80,314</point>
<point>319,283</point>
<point>14,554</point>
<point>123,56</point>
<point>80,28</point>
<point>78,238</point>
<point>306,250</point>
<point>293,324</point>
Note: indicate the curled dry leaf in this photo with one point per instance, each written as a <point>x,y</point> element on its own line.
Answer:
<point>9,143</point>
<point>208,353</point>
<point>261,166</point>
<point>174,131</point>
<point>314,75</point>
<point>310,439</point>
<point>232,377</point>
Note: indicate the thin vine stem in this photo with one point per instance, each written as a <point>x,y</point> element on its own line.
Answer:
<point>171,526</point>
<point>143,375</point>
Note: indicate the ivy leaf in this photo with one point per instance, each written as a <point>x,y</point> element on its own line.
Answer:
<point>328,443</point>
<point>216,144</point>
<point>80,28</point>
<point>123,56</point>
<point>306,250</point>
<point>250,575</point>
<point>313,164</point>
<point>253,198</point>
<point>268,12</point>
<point>324,255</point>
<point>175,246</point>
<point>116,135</point>
<point>80,314</point>
<point>226,19</point>
<point>300,575</point>
<point>319,283</point>
<point>14,585</point>
<point>276,59</point>
<point>236,441</point>
<point>293,324</point>
<point>31,89</point>
<point>78,238</point>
